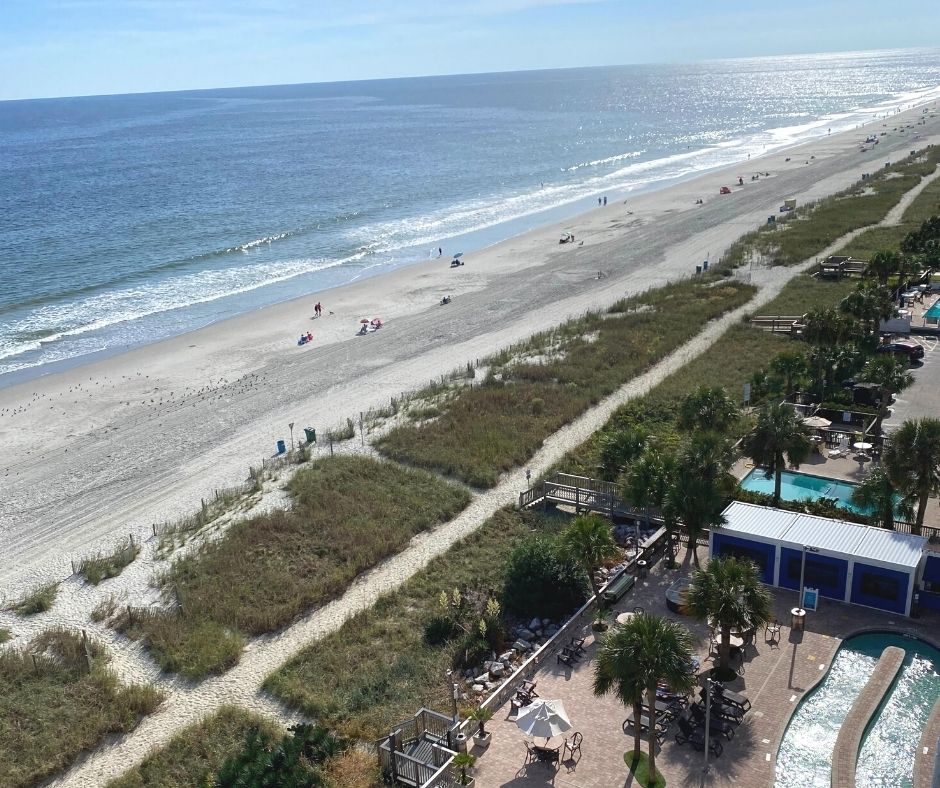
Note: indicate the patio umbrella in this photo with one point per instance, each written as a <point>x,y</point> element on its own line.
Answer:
<point>543,719</point>
<point>817,422</point>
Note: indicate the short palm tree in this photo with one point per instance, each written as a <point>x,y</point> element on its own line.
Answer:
<point>634,658</point>
<point>708,408</point>
<point>878,496</point>
<point>648,480</point>
<point>779,437</point>
<point>891,375</point>
<point>729,593</point>
<point>882,264</point>
<point>790,367</point>
<point>912,462</point>
<point>589,542</point>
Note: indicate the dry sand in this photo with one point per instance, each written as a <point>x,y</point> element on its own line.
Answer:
<point>113,446</point>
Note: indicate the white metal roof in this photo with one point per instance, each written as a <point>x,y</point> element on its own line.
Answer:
<point>865,542</point>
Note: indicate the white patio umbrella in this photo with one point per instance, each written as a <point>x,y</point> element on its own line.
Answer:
<point>816,422</point>
<point>543,719</point>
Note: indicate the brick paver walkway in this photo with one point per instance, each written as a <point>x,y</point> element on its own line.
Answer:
<point>776,677</point>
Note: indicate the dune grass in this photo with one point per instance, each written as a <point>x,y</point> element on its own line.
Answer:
<point>194,756</point>
<point>4,635</point>
<point>348,514</point>
<point>539,386</point>
<point>53,708</point>
<point>377,668</point>
<point>103,566</point>
<point>807,231</point>
<point>38,600</point>
<point>805,293</point>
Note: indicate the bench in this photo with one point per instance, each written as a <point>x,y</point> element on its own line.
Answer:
<point>618,587</point>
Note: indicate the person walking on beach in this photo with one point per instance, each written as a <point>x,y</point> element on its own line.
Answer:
<point>440,252</point>
<point>318,310</point>
<point>605,199</point>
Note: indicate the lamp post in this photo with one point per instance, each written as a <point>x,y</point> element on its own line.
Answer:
<point>291,428</point>
<point>455,692</point>
<point>708,717</point>
<point>806,548</point>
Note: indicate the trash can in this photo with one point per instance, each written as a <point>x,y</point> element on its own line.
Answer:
<point>797,619</point>
<point>311,434</point>
<point>642,567</point>
<point>281,447</point>
<point>705,265</point>
<point>698,269</point>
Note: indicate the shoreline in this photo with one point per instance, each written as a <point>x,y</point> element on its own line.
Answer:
<point>138,437</point>
<point>477,241</point>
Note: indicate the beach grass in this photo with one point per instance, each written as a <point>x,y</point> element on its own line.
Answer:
<point>378,668</point>
<point>806,232</point>
<point>37,600</point>
<point>4,635</point>
<point>194,756</point>
<point>542,384</point>
<point>52,707</point>
<point>103,566</point>
<point>348,514</point>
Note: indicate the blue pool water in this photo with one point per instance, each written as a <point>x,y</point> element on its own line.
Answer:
<point>803,486</point>
<point>889,746</point>
<point>934,311</point>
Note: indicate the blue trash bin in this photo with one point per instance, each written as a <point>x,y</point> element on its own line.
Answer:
<point>281,447</point>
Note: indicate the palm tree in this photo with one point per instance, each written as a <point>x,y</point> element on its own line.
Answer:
<point>648,480</point>
<point>634,658</point>
<point>729,593</point>
<point>869,304</point>
<point>882,265</point>
<point>891,375</point>
<point>791,366</point>
<point>618,448</point>
<point>878,496</point>
<point>708,408</point>
<point>779,437</point>
<point>588,541</point>
<point>698,494</point>
<point>912,461</point>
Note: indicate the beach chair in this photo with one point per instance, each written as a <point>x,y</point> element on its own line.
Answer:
<point>688,732</point>
<point>736,699</point>
<point>716,724</point>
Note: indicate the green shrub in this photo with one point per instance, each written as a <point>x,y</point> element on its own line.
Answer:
<point>439,629</point>
<point>106,565</point>
<point>38,600</point>
<point>542,582</point>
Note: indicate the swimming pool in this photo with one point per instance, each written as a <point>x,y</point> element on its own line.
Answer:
<point>803,486</point>
<point>886,758</point>
<point>934,312</point>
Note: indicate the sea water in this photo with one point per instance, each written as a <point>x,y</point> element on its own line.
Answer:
<point>127,219</point>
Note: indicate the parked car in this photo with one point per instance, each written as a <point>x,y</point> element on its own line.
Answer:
<point>901,347</point>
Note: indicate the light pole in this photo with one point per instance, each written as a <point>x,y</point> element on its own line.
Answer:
<point>708,717</point>
<point>806,548</point>
<point>291,427</point>
<point>455,691</point>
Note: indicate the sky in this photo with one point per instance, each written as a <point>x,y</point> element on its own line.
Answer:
<point>85,47</point>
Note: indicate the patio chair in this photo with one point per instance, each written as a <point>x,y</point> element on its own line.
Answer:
<point>566,657</point>
<point>733,698</point>
<point>520,700</point>
<point>531,754</point>
<point>573,744</point>
<point>772,632</point>
<point>576,644</point>
<point>689,733</point>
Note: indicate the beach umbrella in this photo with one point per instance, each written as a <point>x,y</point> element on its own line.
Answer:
<point>458,255</point>
<point>364,320</point>
<point>816,422</point>
<point>543,719</point>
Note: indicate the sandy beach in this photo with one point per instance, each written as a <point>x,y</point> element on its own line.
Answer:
<point>110,447</point>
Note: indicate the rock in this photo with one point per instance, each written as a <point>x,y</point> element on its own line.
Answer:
<point>464,696</point>
<point>478,688</point>
<point>488,665</point>
<point>546,622</point>
<point>506,656</point>
<point>490,686</point>
<point>535,623</point>
<point>497,670</point>
<point>482,678</point>
<point>521,645</point>
<point>525,634</point>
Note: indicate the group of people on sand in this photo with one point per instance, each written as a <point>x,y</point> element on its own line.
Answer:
<point>370,325</point>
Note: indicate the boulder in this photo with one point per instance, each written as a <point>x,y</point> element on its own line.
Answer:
<point>546,622</point>
<point>521,645</point>
<point>497,670</point>
<point>478,688</point>
<point>525,634</point>
<point>535,623</point>
<point>482,678</point>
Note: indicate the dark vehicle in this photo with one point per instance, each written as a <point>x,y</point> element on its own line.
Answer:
<point>866,394</point>
<point>912,350</point>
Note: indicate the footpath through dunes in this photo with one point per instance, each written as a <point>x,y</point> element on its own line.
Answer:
<point>117,461</point>
<point>240,685</point>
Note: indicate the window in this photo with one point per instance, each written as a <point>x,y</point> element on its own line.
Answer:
<point>879,586</point>
<point>821,574</point>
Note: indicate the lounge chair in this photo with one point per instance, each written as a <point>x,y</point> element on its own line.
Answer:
<point>837,454</point>
<point>660,724</point>
<point>689,733</point>
<point>716,724</point>
<point>734,698</point>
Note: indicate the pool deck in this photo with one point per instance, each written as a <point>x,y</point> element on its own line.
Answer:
<point>776,676</point>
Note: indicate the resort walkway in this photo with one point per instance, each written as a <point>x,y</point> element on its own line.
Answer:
<point>777,674</point>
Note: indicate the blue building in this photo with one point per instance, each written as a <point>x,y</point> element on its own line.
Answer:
<point>845,561</point>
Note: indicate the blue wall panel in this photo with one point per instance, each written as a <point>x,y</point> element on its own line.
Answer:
<point>761,554</point>
<point>932,569</point>
<point>824,572</point>
<point>930,600</point>
<point>878,587</point>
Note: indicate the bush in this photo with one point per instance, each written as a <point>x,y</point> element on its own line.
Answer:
<point>541,582</point>
<point>471,652</point>
<point>106,565</point>
<point>438,630</point>
<point>38,600</point>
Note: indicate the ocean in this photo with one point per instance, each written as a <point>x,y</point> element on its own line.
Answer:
<point>128,219</point>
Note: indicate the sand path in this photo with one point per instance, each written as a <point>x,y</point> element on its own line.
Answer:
<point>113,446</point>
